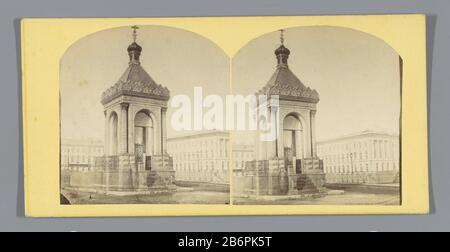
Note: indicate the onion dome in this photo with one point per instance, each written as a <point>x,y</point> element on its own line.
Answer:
<point>284,83</point>
<point>134,51</point>
<point>282,54</point>
<point>134,47</point>
<point>135,81</point>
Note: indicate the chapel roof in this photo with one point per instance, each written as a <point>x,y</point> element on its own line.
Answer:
<point>285,83</point>
<point>135,81</point>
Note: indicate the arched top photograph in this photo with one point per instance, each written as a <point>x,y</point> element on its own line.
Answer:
<point>336,120</point>
<point>116,89</point>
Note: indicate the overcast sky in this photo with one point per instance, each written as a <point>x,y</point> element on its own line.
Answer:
<point>356,75</point>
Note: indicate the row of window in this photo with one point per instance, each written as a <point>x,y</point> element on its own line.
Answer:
<point>379,149</point>
<point>378,166</point>
<point>356,156</point>
<point>243,155</point>
<point>82,150</point>
<point>205,154</point>
<point>196,155</point>
<point>201,144</point>
<point>239,165</point>
<point>78,169</point>
<point>77,159</point>
<point>200,167</point>
<point>357,144</point>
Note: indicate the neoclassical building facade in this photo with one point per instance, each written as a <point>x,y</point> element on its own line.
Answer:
<point>205,157</point>
<point>80,155</point>
<point>201,157</point>
<point>289,164</point>
<point>368,157</point>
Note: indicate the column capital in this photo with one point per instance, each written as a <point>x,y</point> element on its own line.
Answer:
<point>124,105</point>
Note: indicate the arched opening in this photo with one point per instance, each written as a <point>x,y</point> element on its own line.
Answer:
<point>143,134</point>
<point>113,134</point>
<point>293,139</point>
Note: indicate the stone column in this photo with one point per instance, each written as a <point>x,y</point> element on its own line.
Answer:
<point>131,115</point>
<point>299,143</point>
<point>272,145</point>
<point>307,136</point>
<point>164,130</point>
<point>158,133</point>
<point>123,128</point>
<point>313,133</point>
<point>149,141</point>
<point>106,149</point>
<point>106,145</point>
<point>280,142</point>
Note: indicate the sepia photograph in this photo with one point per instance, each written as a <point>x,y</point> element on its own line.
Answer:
<point>119,90</point>
<point>328,109</point>
<point>313,119</point>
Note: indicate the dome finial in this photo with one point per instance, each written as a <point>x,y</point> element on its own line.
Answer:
<point>134,50</point>
<point>282,52</point>
<point>282,36</point>
<point>135,28</point>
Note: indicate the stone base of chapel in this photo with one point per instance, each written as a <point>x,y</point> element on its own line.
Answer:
<point>275,177</point>
<point>123,173</point>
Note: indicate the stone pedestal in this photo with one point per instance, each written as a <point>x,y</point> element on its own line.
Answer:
<point>310,183</point>
<point>276,177</point>
<point>125,173</point>
<point>312,177</point>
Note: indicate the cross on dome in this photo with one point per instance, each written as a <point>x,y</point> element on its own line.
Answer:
<point>135,28</point>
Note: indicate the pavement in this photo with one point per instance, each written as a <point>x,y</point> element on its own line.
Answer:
<point>178,197</point>
<point>332,197</point>
<point>354,195</point>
